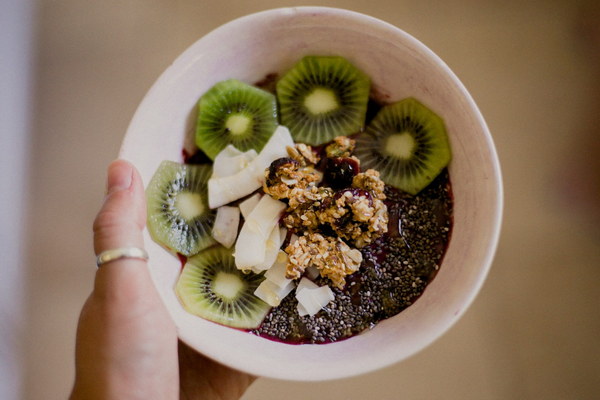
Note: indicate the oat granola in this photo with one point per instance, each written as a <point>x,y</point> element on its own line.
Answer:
<point>356,216</point>
<point>304,206</point>
<point>328,221</point>
<point>369,180</point>
<point>303,153</point>
<point>342,146</point>
<point>287,174</point>
<point>331,256</point>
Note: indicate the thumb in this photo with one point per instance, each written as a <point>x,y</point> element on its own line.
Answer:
<point>119,223</point>
<point>122,216</point>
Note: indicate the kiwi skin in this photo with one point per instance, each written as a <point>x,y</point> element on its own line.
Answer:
<point>196,290</point>
<point>332,78</point>
<point>407,143</point>
<point>227,101</point>
<point>180,233</point>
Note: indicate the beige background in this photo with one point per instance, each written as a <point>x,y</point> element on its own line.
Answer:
<point>532,333</point>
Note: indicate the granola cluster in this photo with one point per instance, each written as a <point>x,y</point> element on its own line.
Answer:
<point>303,154</point>
<point>305,207</point>
<point>327,220</point>
<point>285,175</point>
<point>369,180</point>
<point>332,256</point>
<point>355,215</point>
<point>342,146</point>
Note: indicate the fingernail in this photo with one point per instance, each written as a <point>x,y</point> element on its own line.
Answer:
<point>119,176</point>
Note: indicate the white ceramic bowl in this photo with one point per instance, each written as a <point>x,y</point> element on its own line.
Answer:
<point>400,66</point>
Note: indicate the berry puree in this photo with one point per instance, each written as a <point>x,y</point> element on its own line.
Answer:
<point>395,271</point>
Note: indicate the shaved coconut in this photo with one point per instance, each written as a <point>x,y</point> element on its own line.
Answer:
<point>282,235</point>
<point>231,161</point>
<point>275,148</point>
<point>271,250</point>
<point>229,151</point>
<point>311,300</point>
<point>265,216</point>
<point>250,248</point>
<point>248,205</point>
<point>272,294</point>
<point>301,310</point>
<point>275,286</point>
<point>225,229</point>
<point>323,295</point>
<point>309,308</point>
<point>306,283</point>
<point>276,273</point>
<point>224,190</point>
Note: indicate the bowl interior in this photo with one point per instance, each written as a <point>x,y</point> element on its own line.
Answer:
<point>399,66</point>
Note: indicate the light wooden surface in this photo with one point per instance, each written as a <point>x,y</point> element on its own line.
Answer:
<point>533,331</point>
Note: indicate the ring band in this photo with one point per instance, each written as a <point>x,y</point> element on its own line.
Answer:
<point>117,254</point>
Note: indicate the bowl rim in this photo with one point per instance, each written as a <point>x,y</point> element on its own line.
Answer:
<point>318,374</point>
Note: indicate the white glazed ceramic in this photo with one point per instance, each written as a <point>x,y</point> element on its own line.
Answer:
<point>400,66</point>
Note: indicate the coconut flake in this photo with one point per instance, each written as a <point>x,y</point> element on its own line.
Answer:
<point>282,235</point>
<point>312,300</point>
<point>224,190</point>
<point>250,248</point>
<point>248,205</point>
<point>306,283</point>
<point>276,273</point>
<point>272,294</point>
<point>230,161</point>
<point>225,228</point>
<point>272,248</point>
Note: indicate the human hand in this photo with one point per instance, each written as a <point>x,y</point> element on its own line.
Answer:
<point>127,345</point>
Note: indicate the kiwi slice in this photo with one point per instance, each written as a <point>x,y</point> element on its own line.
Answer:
<point>233,112</point>
<point>178,213</point>
<point>211,287</point>
<point>407,143</point>
<point>323,97</point>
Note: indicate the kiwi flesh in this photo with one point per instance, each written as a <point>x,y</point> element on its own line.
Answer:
<point>233,112</point>
<point>178,214</point>
<point>211,287</point>
<point>407,143</point>
<point>322,97</point>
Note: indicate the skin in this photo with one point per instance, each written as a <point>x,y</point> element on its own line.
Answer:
<point>127,346</point>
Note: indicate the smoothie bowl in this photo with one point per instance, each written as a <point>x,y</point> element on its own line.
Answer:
<point>321,249</point>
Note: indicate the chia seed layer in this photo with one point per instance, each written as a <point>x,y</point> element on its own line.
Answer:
<point>395,271</point>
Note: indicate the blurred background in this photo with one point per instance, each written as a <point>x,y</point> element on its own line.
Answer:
<point>73,73</point>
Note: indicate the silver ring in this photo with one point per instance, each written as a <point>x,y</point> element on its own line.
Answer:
<point>117,254</point>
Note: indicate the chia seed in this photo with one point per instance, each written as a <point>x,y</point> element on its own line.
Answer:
<point>395,271</point>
